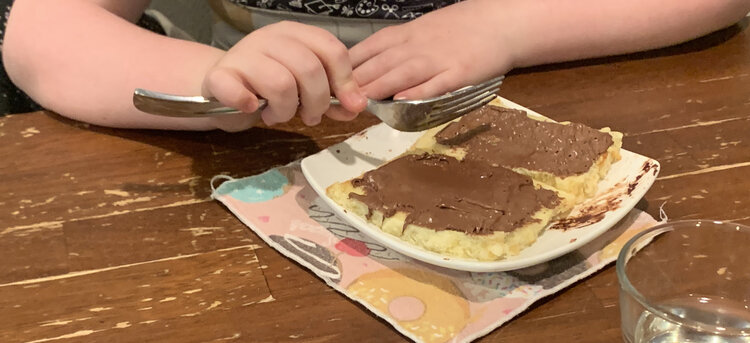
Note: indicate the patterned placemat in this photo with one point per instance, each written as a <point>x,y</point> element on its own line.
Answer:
<point>424,302</point>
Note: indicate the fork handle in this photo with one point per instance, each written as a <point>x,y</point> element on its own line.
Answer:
<point>181,106</point>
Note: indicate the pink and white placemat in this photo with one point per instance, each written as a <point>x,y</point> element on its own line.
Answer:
<point>423,302</point>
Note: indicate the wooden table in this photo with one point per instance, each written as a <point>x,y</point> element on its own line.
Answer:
<point>110,235</point>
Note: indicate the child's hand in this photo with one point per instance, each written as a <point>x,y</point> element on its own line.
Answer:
<point>436,53</point>
<point>294,67</point>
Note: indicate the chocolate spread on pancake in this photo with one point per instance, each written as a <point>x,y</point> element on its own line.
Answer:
<point>509,138</point>
<point>443,193</point>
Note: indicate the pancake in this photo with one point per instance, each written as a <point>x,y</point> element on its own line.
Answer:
<point>485,186</point>
<point>568,157</point>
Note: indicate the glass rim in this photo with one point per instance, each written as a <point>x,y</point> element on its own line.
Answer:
<point>627,286</point>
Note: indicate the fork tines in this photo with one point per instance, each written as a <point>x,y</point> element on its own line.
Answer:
<point>461,102</point>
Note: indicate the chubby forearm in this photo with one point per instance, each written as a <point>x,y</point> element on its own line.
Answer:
<point>545,31</point>
<point>83,59</point>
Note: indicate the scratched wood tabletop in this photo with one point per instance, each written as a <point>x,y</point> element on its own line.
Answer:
<point>110,235</point>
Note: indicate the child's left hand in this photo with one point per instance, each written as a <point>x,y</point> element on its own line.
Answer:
<point>439,52</point>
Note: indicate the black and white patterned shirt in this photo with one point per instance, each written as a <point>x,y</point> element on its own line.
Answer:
<point>371,9</point>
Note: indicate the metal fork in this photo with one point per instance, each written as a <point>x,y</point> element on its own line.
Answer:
<point>402,115</point>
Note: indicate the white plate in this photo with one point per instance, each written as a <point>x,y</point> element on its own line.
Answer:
<point>623,187</point>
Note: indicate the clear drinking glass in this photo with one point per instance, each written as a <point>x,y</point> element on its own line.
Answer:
<point>687,282</point>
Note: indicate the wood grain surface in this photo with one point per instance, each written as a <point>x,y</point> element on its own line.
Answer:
<point>110,235</point>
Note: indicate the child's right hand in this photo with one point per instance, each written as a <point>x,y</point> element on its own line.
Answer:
<point>294,67</point>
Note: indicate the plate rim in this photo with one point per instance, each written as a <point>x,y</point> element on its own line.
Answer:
<point>456,263</point>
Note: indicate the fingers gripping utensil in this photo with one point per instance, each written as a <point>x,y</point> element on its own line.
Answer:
<point>402,115</point>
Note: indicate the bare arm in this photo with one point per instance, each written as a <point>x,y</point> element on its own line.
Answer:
<point>557,30</point>
<point>84,58</point>
<point>477,39</point>
<point>81,60</point>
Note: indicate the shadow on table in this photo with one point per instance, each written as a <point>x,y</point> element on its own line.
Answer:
<point>216,152</point>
